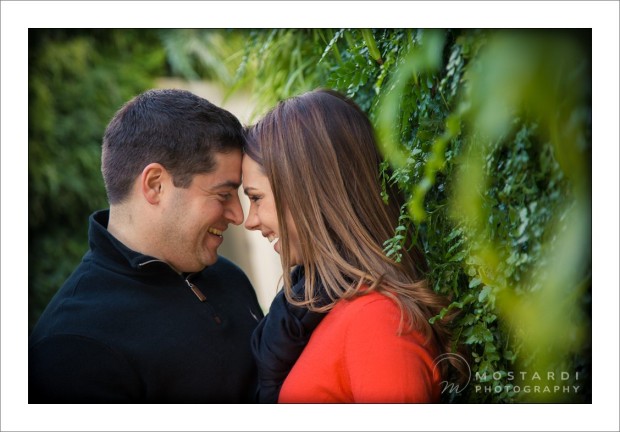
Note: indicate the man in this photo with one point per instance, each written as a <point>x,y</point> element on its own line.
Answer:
<point>152,314</point>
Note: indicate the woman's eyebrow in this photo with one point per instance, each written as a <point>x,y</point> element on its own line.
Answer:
<point>248,189</point>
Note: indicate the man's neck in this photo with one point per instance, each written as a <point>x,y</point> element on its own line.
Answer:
<point>122,225</point>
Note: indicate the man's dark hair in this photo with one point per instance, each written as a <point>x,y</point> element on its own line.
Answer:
<point>175,128</point>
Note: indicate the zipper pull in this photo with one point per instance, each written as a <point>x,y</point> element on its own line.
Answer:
<point>196,291</point>
<point>203,298</point>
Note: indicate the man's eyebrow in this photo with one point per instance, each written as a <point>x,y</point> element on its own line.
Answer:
<point>228,184</point>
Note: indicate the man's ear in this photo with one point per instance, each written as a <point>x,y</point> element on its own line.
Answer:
<point>152,181</point>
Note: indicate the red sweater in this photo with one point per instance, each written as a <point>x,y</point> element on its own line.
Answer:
<point>356,355</point>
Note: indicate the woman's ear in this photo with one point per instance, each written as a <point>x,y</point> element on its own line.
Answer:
<point>152,182</point>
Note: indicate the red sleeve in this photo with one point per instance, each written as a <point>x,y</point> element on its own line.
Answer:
<point>384,367</point>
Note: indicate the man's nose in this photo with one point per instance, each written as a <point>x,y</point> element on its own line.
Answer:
<point>235,211</point>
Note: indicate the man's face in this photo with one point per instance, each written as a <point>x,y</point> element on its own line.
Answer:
<point>194,218</point>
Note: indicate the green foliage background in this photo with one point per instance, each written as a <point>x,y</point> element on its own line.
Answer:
<point>487,132</point>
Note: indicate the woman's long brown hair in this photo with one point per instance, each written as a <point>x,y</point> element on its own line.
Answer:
<point>320,154</point>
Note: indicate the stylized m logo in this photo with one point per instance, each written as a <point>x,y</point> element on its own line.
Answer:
<point>448,386</point>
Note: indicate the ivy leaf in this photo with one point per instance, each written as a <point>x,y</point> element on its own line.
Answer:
<point>474,283</point>
<point>484,293</point>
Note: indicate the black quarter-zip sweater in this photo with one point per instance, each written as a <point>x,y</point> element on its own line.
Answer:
<point>126,327</point>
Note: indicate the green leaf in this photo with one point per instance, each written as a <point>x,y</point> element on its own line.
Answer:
<point>484,293</point>
<point>474,283</point>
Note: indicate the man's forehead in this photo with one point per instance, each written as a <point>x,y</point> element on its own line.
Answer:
<point>227,172</point>
<point>230,159</point>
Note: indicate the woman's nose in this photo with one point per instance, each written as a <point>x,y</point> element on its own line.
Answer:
<point>251,223</point>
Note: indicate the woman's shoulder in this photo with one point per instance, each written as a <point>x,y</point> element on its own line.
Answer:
<point>373,302</point>
<point>370,312</point>
<point>375,314</point>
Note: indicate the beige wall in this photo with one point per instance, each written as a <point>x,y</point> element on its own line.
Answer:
<point>248,249</point>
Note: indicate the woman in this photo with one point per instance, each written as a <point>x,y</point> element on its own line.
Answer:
<point>351,324</point>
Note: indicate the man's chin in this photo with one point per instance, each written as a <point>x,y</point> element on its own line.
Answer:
<point>211,259</point>
<point>200,266</point>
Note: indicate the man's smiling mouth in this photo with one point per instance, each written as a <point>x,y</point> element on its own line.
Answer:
<point>215,231</point>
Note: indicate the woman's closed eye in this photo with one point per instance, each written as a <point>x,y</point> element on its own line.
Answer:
<point>254,198</point>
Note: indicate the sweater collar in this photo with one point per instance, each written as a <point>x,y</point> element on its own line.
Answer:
<point>100,240</point>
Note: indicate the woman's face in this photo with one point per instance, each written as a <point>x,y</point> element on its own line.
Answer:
<point>262,215</point>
